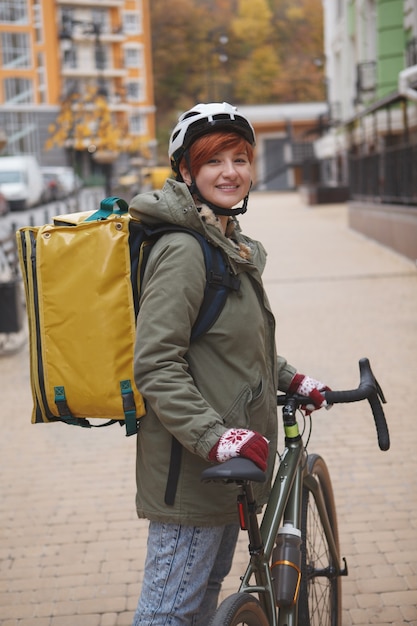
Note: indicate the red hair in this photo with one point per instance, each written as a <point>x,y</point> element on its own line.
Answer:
<point>208,145</point>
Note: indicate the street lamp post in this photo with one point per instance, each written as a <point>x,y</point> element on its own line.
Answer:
<point>217,53</point>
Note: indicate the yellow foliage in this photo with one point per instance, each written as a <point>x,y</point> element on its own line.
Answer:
<point>253,22</point>
<point>294,13</point>
<point>88,121</point>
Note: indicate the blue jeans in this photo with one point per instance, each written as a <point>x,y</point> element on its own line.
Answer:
<point>185,567</point>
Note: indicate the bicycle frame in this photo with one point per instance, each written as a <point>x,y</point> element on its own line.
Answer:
<point>284,504</point>
<point>288,499</point>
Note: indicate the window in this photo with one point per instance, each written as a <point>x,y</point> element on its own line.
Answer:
<point>18,90</point>
<point>135,90</point>
<point>72,87</point>
<point>138,124</point>
<point>69,55</point>
<point>22,132</point>
<point>133,56</point>
<point>100,18</point>
<point>67,17</point>
<point>366,76</point>
<point>16,50</point>
<point>132,22</point>
<point>37,22</point>
<point>41,78</point>
<point>411,52</point>
<point>14,11</point>
<point>100,56</point>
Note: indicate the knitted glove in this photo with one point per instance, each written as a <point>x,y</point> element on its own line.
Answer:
<point>241,442</point>
<point>311,388</point>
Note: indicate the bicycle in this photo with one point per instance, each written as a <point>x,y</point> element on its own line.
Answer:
<point>302,496</point>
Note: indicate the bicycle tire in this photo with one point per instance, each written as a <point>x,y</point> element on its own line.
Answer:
<point>239,609</point>
<point>320,601</point>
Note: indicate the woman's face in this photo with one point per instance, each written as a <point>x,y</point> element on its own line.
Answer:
<point>225,178</point>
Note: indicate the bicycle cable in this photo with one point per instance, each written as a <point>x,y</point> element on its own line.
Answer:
<point>305,427</point>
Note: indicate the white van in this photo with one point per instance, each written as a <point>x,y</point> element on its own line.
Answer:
<point>21,181</point>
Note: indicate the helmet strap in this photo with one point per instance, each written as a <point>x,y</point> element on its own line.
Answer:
<point>218,210</point>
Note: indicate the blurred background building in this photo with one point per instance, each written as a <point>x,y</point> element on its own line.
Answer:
<point>56,51</point>
<point>367,154</point>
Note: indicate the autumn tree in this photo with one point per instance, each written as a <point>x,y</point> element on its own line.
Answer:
<point>86,123</point>
<point>258,64</point>
<point>183,49</point>
<point>243,51</point>
<point>298,32</point>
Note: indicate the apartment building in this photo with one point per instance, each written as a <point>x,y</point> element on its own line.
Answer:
<point>370,148</point>
<point>54,49</point>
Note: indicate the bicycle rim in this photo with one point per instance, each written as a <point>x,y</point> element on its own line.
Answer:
<point>239,609</point>
<point>320,592</point>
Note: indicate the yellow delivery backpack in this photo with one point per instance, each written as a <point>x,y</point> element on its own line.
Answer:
<point>81,275</point>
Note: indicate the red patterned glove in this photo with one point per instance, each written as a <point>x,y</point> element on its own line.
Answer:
<point>241,442</point>
<point>311,388</point>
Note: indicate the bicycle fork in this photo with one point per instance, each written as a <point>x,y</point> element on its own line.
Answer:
<point>314,486</point>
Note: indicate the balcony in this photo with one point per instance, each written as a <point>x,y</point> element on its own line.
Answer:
<point>82,33</point>
<point>86,51</point>
<point>92,3</point>
<point>90,71</point>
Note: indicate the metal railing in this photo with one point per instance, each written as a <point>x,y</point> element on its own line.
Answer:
<point>388,176</point>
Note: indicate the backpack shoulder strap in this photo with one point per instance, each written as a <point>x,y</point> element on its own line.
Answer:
<point>219,282</point>
<point>219,278</point>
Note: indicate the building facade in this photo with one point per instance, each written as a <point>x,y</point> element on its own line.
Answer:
<point>370,46</point>
<point>284,139</point>
<point>54,49</point>
<point>370,146</point>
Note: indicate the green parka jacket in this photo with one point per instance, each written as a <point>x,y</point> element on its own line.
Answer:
<point>196,390</point>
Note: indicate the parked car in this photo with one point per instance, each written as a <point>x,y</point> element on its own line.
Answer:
<point>4,205</point>
<point>68,180</point>
<point>21,181</point>
<point>53,188</point>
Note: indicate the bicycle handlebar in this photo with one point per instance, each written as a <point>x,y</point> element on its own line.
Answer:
<point>368,389</point>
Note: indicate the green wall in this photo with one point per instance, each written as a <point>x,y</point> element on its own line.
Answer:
<point>391,44</point>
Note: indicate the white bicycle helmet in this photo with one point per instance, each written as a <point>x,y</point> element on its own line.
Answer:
<point>203,119</point>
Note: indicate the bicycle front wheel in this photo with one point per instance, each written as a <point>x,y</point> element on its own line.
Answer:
<point>320,602</point>
<point>239,609</point>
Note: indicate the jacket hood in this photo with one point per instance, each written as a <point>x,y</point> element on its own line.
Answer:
<point>172,204</point>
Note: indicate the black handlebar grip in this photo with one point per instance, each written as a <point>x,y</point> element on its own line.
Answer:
<point>368,389</point>
<point>351,395</point>
<point>380,422</point>
<point>375,403</point>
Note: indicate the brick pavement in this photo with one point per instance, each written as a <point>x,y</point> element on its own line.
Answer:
<point>71,548</point>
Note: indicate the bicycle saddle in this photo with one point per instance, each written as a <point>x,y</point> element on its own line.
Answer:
<point>234,470</point>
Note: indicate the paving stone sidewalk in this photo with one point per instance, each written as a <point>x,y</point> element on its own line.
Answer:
<point>71,548</point>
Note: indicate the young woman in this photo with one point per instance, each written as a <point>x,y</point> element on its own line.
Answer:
<point>213,398</point>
